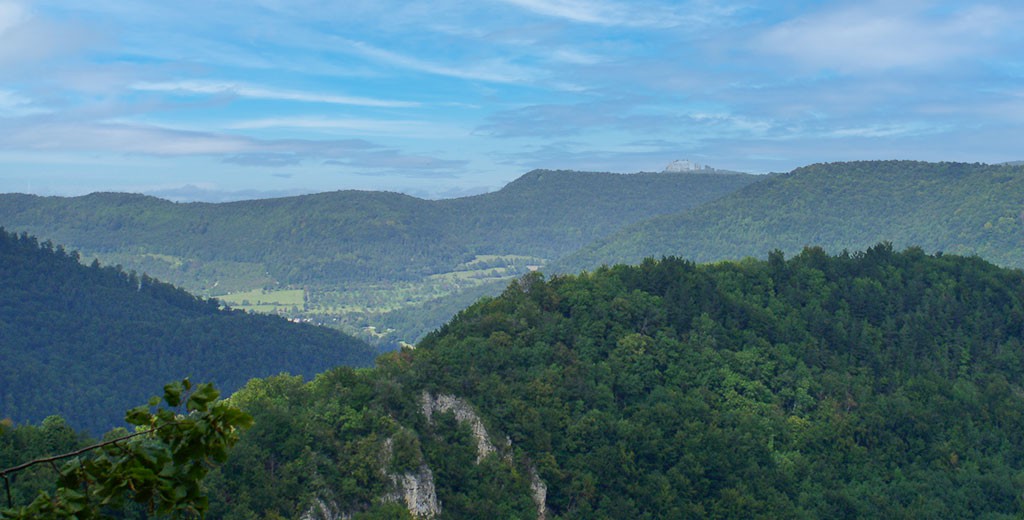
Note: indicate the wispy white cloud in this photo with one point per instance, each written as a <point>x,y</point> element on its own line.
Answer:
<point>362,126</point>
<point>884,36</point>
<point>575,57</point>
<point>13,104</point>
<point>575,10</point>
<point>44,135</point>
<point>494,70</point>
<point>888,130</point>
<point>600,12</point>
<point>257,92</point>
<point>626,115</point>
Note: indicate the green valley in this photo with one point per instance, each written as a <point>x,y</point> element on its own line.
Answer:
<point>361,259</point>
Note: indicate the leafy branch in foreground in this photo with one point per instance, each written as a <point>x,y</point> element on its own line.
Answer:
<point>161,465</point>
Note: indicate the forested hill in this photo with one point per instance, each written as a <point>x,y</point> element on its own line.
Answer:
<point>352,236</point>
<point>878,384</point>
<point>951,207</point>
<point>355,258</point>
<point>549,214</point>
<point>89,342</point>
<point>329,236</point>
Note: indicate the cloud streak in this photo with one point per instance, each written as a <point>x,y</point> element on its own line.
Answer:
<point>243,151</point>
<point>360,126</point>
<point>600,12</point>
<point>494,70</point>
<point>258,92</point>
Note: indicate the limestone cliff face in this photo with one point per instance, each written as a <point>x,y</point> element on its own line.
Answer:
<point>463,413</point>
<point>539,491</point>
<point>324,510</point>
<point>416,490</point>
<point>484,446</point>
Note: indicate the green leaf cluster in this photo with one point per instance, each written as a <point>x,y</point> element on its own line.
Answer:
<point>160,467</point>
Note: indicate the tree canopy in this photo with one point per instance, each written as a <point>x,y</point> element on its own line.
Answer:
<point>878,384</point>
<point>85,342</point>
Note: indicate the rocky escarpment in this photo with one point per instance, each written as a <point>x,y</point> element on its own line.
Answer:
<point>324,510</point>
<point>416,489</point>
<point>464,413</point>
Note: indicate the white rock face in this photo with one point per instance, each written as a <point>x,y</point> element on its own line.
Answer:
<point>683,166</point>
<point>484,447</point>
<point>321,510</point>
<point>417,491</point>
<point>463,413</point>
<point>539,491</point>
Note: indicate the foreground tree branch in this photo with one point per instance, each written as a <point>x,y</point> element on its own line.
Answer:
<point>160,466</point>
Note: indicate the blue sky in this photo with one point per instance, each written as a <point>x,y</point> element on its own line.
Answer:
<point>247,98</point>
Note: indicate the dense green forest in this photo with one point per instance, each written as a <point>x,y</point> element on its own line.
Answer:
<point>877,384</point>
<point>359,256</point>
<point>968,209</point>
<point>86,342</point>
<point>817,383</point>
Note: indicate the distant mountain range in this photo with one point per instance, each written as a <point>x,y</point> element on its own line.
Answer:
<point>405,265</point>
<point>341,244</point>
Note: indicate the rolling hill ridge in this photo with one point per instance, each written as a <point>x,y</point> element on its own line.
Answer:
<point>968,209</point>
<point>357,256</point>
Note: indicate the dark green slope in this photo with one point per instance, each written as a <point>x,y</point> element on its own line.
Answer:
<point>878,384</point>
<point>951,207</point>
<point>89,342</point>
